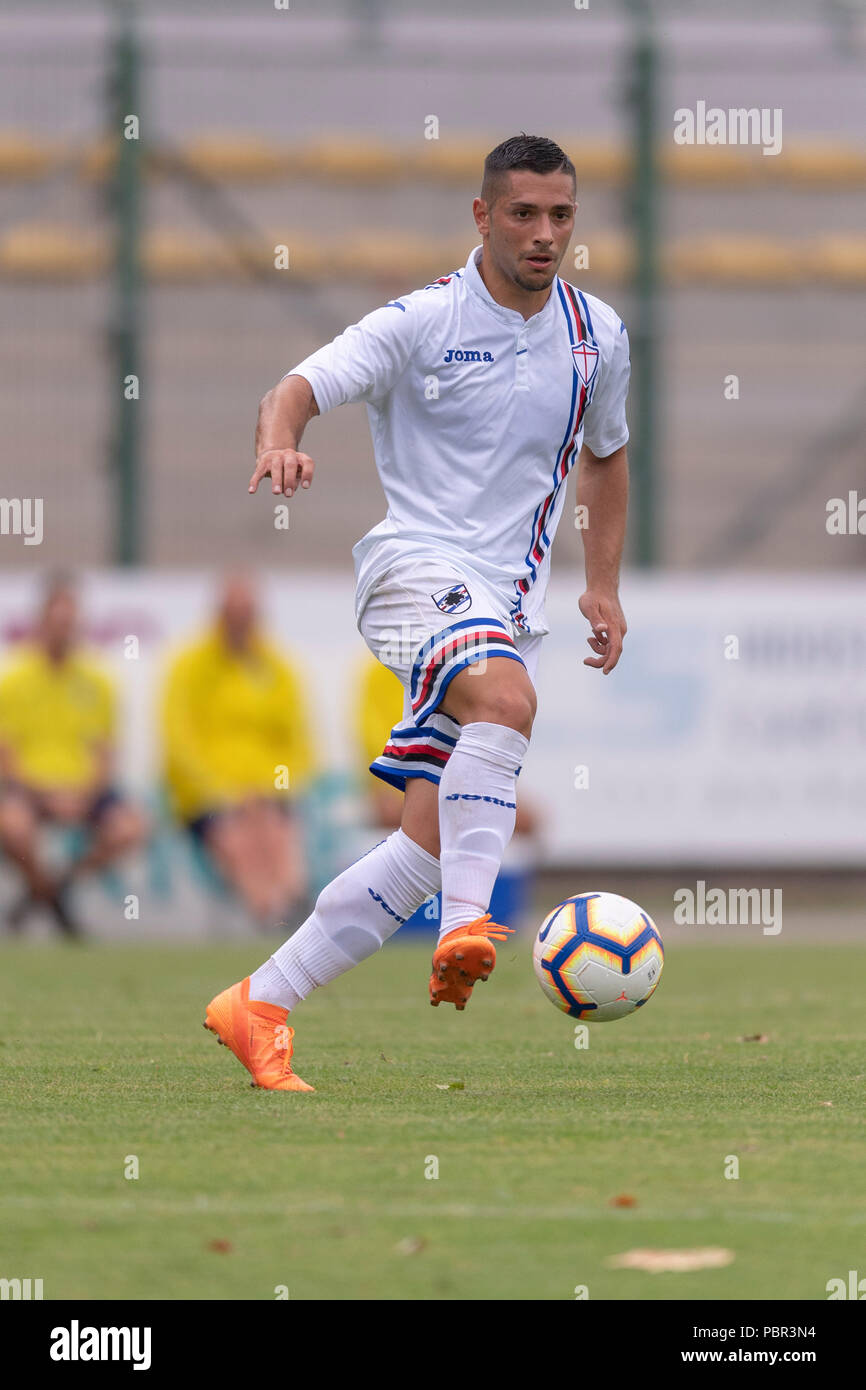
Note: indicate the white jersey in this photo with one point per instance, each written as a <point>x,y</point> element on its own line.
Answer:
<point>477,417</point>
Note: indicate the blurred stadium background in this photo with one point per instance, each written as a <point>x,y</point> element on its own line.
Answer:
<point>305,127</point>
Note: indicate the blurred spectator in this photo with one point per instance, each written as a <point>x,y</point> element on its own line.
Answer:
<point>380,707</point>
<point>57,732</point>
<point>237,752</point>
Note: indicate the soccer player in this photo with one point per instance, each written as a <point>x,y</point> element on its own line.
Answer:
<point>483,390</point>
<point>234,713</point>
<point>57,734</point>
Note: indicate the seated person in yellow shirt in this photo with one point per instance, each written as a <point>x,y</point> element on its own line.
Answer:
<point>237,752</point>
<point>57,730</point>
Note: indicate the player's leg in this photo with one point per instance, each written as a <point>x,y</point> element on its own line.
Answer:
<point>469,707</point>
<point>353,917</point>
<point>494,703</point>
<point>420,819</point>
<point>354,914</point>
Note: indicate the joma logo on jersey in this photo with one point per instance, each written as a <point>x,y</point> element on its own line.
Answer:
<point>467,355</point>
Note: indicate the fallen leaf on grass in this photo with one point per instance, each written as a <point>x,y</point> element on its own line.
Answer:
<point>672,1261</point>
<point>623,1199</point>
<point>220,1247</point>
<point>755,1037</point>
<point>410,1245</point>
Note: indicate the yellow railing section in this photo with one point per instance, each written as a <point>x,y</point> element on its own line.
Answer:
<point>350,160</point>
<point>53,250</point>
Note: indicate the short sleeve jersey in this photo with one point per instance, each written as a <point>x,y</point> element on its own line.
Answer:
<point>477,417</point>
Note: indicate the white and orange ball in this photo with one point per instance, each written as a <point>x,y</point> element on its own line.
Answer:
<point>598,957</point>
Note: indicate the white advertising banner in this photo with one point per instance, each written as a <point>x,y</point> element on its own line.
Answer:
<point>733,731</point>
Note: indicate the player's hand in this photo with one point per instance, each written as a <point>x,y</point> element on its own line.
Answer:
<point>605,616</point>
<point>287,468</point>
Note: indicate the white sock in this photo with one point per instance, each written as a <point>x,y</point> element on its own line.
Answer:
<point>477,808</point>
<point>353,917</point>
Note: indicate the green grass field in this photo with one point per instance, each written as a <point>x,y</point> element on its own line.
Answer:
<point>103,1056</point>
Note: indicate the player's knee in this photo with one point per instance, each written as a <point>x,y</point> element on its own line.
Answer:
<point>330,899</point>
<point>512,706</point>
<point>532,700</point>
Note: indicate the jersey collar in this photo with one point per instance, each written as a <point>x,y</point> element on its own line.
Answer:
<point>512,316</point>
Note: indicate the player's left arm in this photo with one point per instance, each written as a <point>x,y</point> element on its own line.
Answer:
<point>602,488</point>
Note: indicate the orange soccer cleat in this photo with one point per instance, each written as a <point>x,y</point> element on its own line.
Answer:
<point>258,1035</point>
<point>465,955</point>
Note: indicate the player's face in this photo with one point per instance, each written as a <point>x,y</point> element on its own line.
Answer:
<point>529,226</point>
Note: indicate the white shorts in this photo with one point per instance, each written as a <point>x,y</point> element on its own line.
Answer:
<point>426,620</point>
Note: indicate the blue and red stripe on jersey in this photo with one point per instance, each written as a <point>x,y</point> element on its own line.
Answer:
<point>579,331</point>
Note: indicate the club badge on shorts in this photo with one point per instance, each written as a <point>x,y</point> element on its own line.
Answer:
<point>585,358</point>
<point>454,600</point>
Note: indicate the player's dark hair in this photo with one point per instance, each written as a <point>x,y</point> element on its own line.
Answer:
<point>533,152</point>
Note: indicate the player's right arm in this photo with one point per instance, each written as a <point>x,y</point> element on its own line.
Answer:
<point>361,364</point>
<point>283,416</point>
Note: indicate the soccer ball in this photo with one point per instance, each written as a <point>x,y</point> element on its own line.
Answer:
<point>598,957</point>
